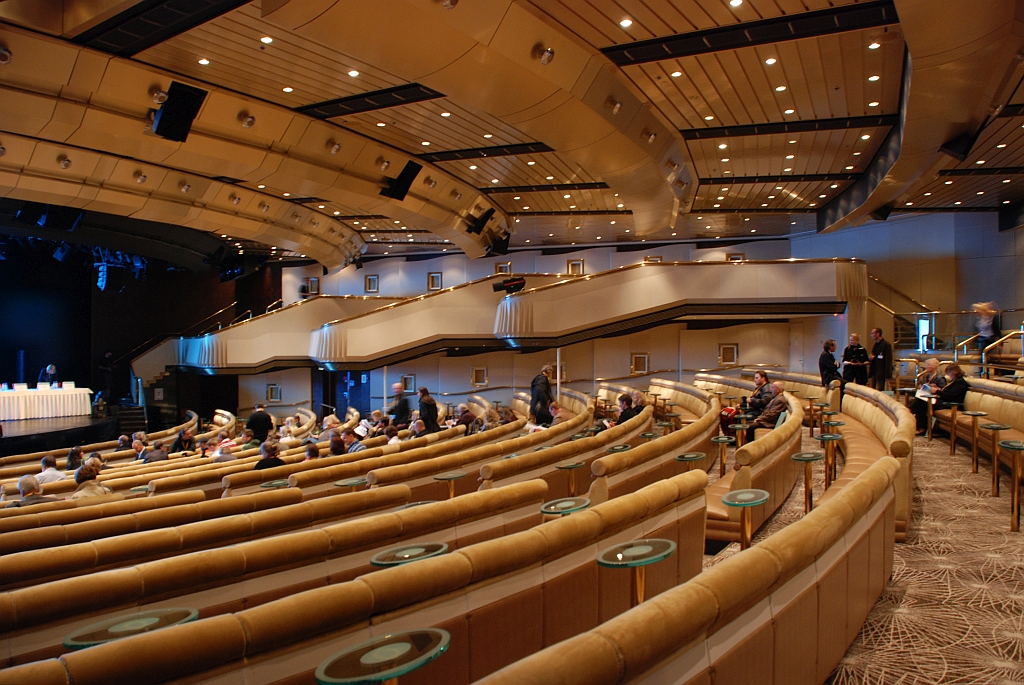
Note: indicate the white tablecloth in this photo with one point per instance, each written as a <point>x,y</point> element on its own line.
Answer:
<point>44,404</point>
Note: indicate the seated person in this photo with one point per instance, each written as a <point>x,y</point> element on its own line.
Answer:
<point>185,442</point>
<point>268,456</point>
<point>225,442</point>
<point>466,417</point>
<point>919,407</point>
<point>31,493</point>
<point>247,440</point>
<point>762,395</point>
<point>391,433</point>
<point>558,414</point>
<point>352,437</point>
<point>141,436</point>
<point>627,410</point>
<point>770,416</point>
<point>124,443</point>
<point>330,423</point>
<point>140,450</point>
<point>337,445</point>
<point>312,452</point>
<point>74,459</point>
<point>209,448</point>
<point>507,415</point>
<point>155,454</point>
<point>955,389</point>
<point>419,429</point>
<point>88,486</point>
<point>49,473</point>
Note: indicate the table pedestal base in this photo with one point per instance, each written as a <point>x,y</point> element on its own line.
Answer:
<point>640,583</point>
<point>808,491</point>
<point>1015,494</point>
<point>746,524</point>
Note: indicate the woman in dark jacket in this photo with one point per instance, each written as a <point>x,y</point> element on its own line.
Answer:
<point>828,367</point>
<point>428,411</point>
<point>956,387</point>
<point>540,396</point>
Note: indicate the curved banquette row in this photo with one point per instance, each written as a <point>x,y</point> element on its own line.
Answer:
<point>782,612</point>
<point>65,512</point>
<point>541,584</point>
<point>1003,402</point>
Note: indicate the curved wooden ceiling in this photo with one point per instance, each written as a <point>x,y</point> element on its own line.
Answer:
<point>743,178</point>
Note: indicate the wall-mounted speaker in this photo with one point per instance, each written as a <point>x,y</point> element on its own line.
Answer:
<point>476,224</point>
<point>174,119</point>
<point>398,187</point>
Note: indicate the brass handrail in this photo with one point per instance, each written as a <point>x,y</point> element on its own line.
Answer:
<point>890,312</point>
<point>906,297</point>
<point>173,335</point>
<point>957,346</point>
<point>241,316</point>
<point>306,301</point>
<point>984,352</point>
<point>275,304</point>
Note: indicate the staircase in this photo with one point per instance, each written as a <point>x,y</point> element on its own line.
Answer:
<point>131,419</point>
<point>905,333</point>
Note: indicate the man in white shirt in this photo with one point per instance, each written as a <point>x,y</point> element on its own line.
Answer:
<point>50,474</point>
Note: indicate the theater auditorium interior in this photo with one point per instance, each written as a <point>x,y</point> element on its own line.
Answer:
<point>547,342</point>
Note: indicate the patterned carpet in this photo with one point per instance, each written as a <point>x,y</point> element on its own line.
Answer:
<point>953,611</point>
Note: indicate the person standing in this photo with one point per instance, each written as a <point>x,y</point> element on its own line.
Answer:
<point>881,361</point>
<point>260,422</point>
<point>855,362</point>
<point>400,407</point>
<point>540,396</point>
<point>428,411</point>
<point>828,367</point>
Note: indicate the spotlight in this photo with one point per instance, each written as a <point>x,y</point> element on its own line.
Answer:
<point>509,285</point>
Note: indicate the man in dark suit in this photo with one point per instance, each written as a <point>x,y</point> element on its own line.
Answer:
<point>260,423</point>
<point>881,361</point>
<point>48,375</point>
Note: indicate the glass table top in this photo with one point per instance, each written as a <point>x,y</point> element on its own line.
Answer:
<point>728,439</point>
<point>828,437</point>
<point>745,498</point>
<point>383,658</point>
<point>408,553</point>
<point>543,447</point>
<point>569,465</point>
<point>280,483</point>
<point>974,413</point>
<point>829,413</point>
<point>821,404</point>
<point>619,448</point>
<point>351,482</point>
<point>565,505</point>
<point>691,456</point>
<point>996,426</point>
<point>450,475</point>
<point>510,456</point>
<point>126,626</point>
<point>740,426</point>
<point>1011,444</point>
<point>665,424</point>
<point>578,436</point>
<point>636,553</point>
<point>139,488</point>
<point>833,424</point>
<point>649,436</point>
<point>808,456</point>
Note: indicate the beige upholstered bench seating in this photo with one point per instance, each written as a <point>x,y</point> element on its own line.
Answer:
<point>1002,401</point>
<point>542,585</point>
<point>782,612</point>
<point>765,464</point>
<point>248,574</point>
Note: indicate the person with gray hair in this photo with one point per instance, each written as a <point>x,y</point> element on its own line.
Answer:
<point>918,406</point>
<point>770,416</point>
<point>31,493</point>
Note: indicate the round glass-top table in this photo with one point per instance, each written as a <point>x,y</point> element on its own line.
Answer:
<point>408,553</point>
<point>833,424</point>
<point>139,489</point>
<point>353,483</point>
<point>690,458</point>
<point>649,436</point>
<point>829,441</point>
<point>450,477</point>
<point>619,448</point>
<point>1015,447</point>
<point>666,427</point>
<point>819,406</point>
<point>741,432</point>
<point>995,428</point>
<point>571,467</point>
<point>577,436</point>
<point>111,629</point>
<point>723,441</point>
<point>975,415</point>
<point>744,499</point>
<point>279,483</point>
<point>808,459</point>
<point>542,447</point>
<point>637,554</point>
<point>383,659</point>
<point>564,506</point>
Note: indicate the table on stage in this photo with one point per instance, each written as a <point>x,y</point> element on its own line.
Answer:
<point>44,404</point>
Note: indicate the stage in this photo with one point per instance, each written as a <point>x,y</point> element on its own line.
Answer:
<point>40,435</point>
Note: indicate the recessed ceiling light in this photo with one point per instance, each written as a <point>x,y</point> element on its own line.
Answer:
<point>856,154</point>
<point>676,74</point>
<point>716,205</point>
<point>353,73</point>
<point>957,202</point>
<point>771,197</point>
<point>204,61</point>
<point>425,142</point>
<point>909,203</point>
<point>872,104</point>
<point>710,118</point>
<point>779,89</point>
<point>789,111</point>
<point>526,206</point>
<point>874,45</point>
<point>792,142</point>
<point>338,213</point>
<point>626,23</point>
<point>812,204</point>
<point>927,194</point>
<point>287,89</point>
<point>494,180</point>
<point>1006,202</point>
<point>981,192</point>
<point>770,61</point>
<point>381,124</point>
<point>516,197</point>
<point>266,40</point>
<point>472,166</point>
<point>764,204</point>
<point>725,159</point>
<point>550,178</point>
<point>789,168</point>
<point>790,156</point>
<point>321,206</point>
<point>735,3</point>
<point>778,187</point>
<point>865,136</point>
<point>873,78</point>
<point>722,146</point>
<point>1006,180</point>
<point>721,197</point>
<point>1001,146</point>
<point>573,207</point>
<point>398,222</point>
<point>488,135</point>
<point>446,114</point>
<point>726,172</point>
<point>287,194</point>
<point>949,183</point>
<point>980,161</point>
<point>612,223</point>
<point>620,206</point>
<point>821,196</point>
<point>849,167</point>
<point>261,186</point>
<point>673,234</point>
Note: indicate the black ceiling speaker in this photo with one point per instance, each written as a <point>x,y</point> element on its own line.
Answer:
<point>398,187</point>
<point>499,246</point>
<point>883,212</point>
<point>958,148</point>
<point>476,224</point>
<point>174,119</point>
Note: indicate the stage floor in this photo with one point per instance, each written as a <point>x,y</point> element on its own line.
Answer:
<point>39,435</point>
